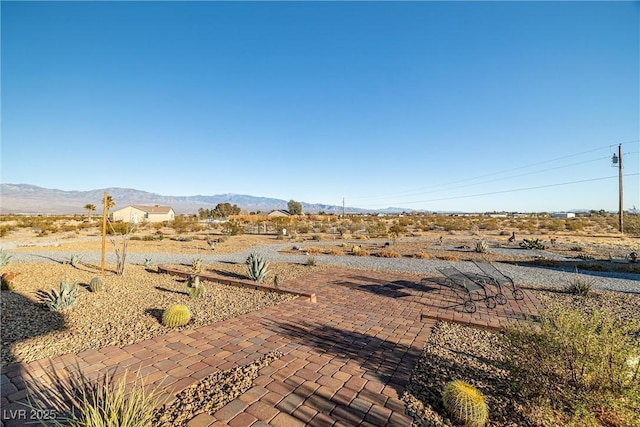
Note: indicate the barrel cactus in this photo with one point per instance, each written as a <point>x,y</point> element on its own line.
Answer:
<point>465,404</point>
<point>257,266</point>
<point>96,284</point>
<point>176,315</point>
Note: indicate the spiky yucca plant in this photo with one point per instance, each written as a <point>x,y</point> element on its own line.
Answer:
<point>194,288</point>
<point>465,404</point>
<point>257,266</point>
<point>60,300</point>
<point>176,315</point>
<point>196,265</point>
<point>482,247</point>
<point>96,284</point>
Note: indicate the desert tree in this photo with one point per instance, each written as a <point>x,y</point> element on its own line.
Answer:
<point>89,208</point>
<point>120,237</point>
<point>295,208</point>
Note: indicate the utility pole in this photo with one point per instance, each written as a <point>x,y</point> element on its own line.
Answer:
<point>620,196</point>
<point>343,207</point>
<point>104,231</point>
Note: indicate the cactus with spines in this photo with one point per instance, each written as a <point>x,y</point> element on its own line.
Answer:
<point>194,288</point>
<point>96,284</point>
<point>176,315</point>
<point>482,247</point>
<point>257,266</point>
<point>465,404</point>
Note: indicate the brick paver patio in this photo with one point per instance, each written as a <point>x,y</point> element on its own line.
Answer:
<point>347,357</point>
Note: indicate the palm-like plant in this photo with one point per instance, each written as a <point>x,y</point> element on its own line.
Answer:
<point>89,208</point>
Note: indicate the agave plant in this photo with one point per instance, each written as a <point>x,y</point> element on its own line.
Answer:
<point>257,266</point>
<point>60,300</point>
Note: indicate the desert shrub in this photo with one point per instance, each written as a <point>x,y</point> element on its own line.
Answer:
<point>532,244</point>
<point>80,401</point>
<point>316,237</point>
<point>176,315</point>
<point>465,404</point>
<point>456,224</point>
<point>257,267</point>
<point>379,229</point>
<point>422,255</point>
<point>388,253</point>
<point>574,362</point>
<point>60,300</point>
<point>335,251</point>
<point>75,260</point>
<point>118,228</point>
<point>449,258</point>
<point>313,250</point>
<point>232,228</point>
<point>311,261</point>
<point>5,258</point>
<point>397,230</point>
<point>580,285</point>
<point>573,224</point>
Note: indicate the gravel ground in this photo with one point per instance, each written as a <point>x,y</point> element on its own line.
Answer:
<point>453,351</point>
<point>545,276</point>
<point>472,355</point>
<point>127,311</point>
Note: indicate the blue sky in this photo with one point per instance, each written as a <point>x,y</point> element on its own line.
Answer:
<point>473,106</point>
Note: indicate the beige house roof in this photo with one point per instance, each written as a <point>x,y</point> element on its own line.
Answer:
<point>154,209</point>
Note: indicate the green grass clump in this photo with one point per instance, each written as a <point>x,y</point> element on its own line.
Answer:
<point>465,404</point>
<point>79,401</point>
<point>176,315</point>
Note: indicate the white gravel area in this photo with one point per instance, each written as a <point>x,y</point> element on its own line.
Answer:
<point>522,275</point>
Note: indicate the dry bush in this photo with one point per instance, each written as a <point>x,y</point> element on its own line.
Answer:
<point>335,251</point>
<point>314,250</point>
<point>421,255</point>
<point>449,258</point>
<point>387,253</point>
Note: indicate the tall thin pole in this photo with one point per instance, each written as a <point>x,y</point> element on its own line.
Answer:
<point>620,196</point>
<point>343,207</point>
<point>104,231</point>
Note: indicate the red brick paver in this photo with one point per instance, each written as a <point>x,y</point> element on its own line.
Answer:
<point>347,357</point>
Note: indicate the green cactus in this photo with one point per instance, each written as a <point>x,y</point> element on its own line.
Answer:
<point>75,260</point>
<point>61,300</point>
<point>482,247</point>
<point>194,288</point>
<point>465,404</point>
<point>176,315</point>
<point>96,284</point>
<point>258,267</point>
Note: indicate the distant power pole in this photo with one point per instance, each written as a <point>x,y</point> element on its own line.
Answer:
<point>343,207</point>
<point>620,195</point>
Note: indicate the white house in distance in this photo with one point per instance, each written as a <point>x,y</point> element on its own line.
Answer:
<point>563,215</point>
<point>137,213</point>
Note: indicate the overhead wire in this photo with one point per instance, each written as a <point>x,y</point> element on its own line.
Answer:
<point>447,186</point>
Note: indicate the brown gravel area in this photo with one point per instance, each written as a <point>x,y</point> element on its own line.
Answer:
<point>461,352</point>
<point>127,311</point>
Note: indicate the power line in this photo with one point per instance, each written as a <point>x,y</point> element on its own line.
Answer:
<point>447,186</point>
<point>516,189</point>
